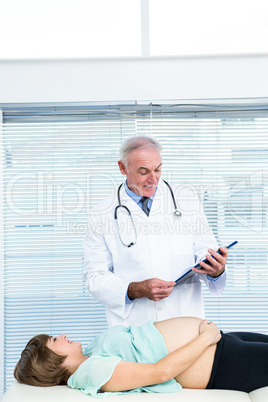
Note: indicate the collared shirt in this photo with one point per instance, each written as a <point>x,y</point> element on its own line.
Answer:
<point>137,198</point>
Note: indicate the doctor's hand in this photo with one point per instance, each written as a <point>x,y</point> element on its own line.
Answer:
<point>153,289</point>
<point>216,265</point>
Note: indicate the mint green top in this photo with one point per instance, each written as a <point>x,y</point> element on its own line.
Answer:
<point>142,344</point>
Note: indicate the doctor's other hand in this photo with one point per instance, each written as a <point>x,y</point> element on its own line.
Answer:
<point>153,289</point>
<point>216,265</point>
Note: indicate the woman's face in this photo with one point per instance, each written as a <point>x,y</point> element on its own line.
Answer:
<point>62,346</point>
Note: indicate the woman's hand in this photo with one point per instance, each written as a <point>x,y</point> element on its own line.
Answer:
<point>211,330</point>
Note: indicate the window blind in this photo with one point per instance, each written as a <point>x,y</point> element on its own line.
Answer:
<point>1,264</point>
<point>58,162</point>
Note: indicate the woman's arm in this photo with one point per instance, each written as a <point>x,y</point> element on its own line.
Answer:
<point>128,375</point>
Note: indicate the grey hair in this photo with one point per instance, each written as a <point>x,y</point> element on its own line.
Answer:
<point>139,141</point>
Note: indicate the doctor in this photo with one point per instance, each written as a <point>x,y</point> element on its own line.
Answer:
<point>142,237</point>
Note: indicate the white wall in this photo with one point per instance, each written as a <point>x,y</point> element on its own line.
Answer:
<point>128,79</point>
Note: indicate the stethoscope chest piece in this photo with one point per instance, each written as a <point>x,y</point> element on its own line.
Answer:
<point>176,214</point>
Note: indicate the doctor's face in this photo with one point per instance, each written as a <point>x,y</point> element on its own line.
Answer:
<point>143,170</point>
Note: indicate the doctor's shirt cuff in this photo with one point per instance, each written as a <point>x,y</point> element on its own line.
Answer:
<point>128,299</point>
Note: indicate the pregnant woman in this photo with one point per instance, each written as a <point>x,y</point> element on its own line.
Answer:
<point>156,357</point>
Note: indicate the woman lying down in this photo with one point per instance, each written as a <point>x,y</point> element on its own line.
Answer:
<point>156,357</point>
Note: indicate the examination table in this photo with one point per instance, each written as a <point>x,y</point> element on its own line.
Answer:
<point>61,393</point>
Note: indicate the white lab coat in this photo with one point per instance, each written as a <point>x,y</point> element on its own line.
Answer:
<point>164,247</point>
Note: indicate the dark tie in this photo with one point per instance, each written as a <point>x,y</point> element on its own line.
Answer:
<point>144,201</point>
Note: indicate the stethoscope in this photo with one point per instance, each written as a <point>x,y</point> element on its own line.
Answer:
<point>176,213</point>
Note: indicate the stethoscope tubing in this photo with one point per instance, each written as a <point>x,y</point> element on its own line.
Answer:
<point>176,213</point>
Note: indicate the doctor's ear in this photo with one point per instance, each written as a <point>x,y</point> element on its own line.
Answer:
<point>122,167</point>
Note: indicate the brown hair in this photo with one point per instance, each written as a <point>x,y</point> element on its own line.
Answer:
<point>41,366</point>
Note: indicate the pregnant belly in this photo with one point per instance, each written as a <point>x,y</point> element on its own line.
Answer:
<point>177,332</point>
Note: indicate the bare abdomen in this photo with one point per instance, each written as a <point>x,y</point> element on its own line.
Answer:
<point>177,332</point>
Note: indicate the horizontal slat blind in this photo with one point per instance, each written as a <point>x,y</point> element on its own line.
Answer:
<point>57,165</point>
<point>59,162</point>
<point>2,318</point>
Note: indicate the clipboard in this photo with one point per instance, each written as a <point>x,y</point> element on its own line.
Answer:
<point>188,273</point>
